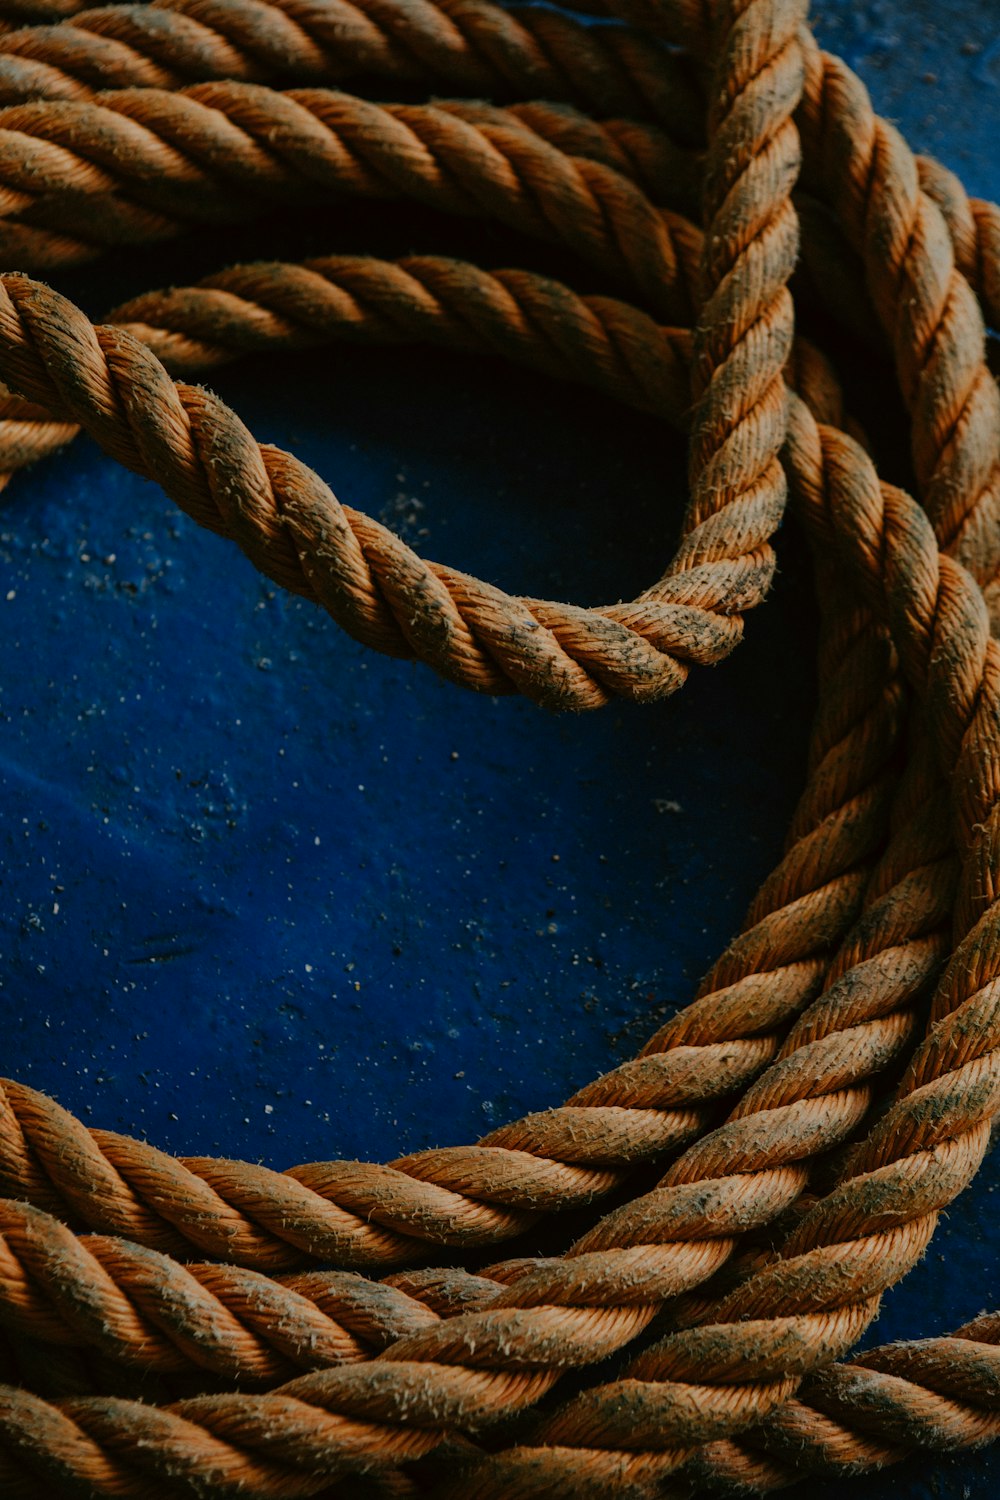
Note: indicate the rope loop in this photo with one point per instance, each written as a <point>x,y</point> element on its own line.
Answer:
<point>717,189</point>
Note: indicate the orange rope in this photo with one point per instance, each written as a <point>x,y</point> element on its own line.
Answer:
<point>765,1254</point>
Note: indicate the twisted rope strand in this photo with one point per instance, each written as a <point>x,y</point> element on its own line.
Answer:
<point>774,971</point>
<point>881,1407</point>
<point>974,226</point>
<point>876,1410</point>
<point>56,1274</point>
<point>765,909</point>
<point>466,629</point>
<point>139,1307</point>
<point>949,1176</point>
<point>471,45</point>
<point>927,307</point>
<point>645,1080</point>
<point>934,1392</point>
<point>823,1032</point>
<point>869,1231</point>
<point>139,164</point>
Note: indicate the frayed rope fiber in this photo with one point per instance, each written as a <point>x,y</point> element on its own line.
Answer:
<point>830,1089</point>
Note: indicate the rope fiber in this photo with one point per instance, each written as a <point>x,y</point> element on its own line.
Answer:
<point>202,1327</point>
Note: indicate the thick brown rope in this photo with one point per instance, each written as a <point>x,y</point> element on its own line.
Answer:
<point>867,1414</point>
<point>929,311</point>
<point>472,46</point>
<point>869,1231</point>
<point>141,164</point>
<point>560,1313</point>
<point>148,1311</point>
<point>560,655</point>
<point>874,1411</point>
<point>834,828</point>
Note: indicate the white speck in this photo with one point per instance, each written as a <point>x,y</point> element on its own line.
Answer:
<point>316,839</point>
<point>11,594</point>
<point>309,968</point>
<point>269,1109</point>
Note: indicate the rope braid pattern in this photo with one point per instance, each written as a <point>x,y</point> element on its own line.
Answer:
<point>526,318</point>
<point>929,311</point>
<point>470,631</point>
<point>836,826</point>
<point>473,46</point>
<point>550,1142</point>
<point>140,164</point>
<point>848,996</point>
<point>335,1208</point>
<point>868,1231</point>
<point>868,1414</point>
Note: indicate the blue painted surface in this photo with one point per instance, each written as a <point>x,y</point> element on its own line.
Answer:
<point>268,895</point>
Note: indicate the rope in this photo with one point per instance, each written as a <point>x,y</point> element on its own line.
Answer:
<point>470,46</point>
<point>797,1180</point>
<point>840,819</point>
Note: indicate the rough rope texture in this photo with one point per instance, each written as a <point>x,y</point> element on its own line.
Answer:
<point>796,1183</point>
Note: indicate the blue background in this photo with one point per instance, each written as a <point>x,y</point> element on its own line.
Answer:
<point>268,895</point>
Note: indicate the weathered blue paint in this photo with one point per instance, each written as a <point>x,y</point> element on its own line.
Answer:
<point>266,894</point>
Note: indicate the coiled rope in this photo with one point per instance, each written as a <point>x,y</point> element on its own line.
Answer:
<point>830,1089</point>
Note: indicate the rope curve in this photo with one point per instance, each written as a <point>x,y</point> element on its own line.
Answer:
<point>798,1178</point>
<point>286,520</point>
<point>774,961</point>
<point>472,46</point>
